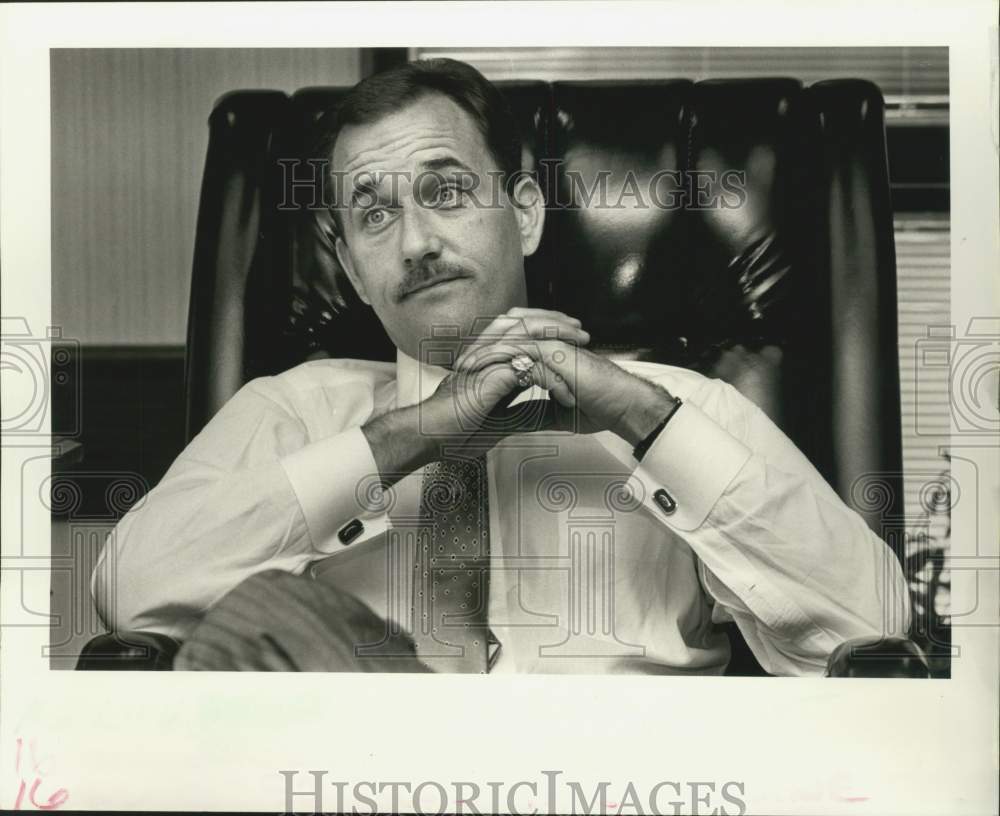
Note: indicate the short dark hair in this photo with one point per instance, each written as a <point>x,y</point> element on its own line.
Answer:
<point>384,93</point>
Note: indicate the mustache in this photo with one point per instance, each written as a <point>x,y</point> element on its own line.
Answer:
<point>427,271</point>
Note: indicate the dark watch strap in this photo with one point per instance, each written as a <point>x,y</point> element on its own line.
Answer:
<point>646,444</point>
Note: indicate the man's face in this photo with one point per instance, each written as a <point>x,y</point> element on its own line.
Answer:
<point>418,250</point>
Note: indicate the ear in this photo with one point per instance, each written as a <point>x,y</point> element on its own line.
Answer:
<point>529,209</point>
<point>344,256</point>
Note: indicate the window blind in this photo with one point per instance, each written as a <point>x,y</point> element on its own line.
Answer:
<point>907,75</point>
<point>923,279</point>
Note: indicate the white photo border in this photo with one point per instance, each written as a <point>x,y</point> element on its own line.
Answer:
<point>211,741</point>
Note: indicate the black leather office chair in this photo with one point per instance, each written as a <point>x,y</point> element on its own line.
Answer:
<point>790,295</point>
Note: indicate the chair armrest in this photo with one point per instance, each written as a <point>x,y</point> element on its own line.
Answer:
<point>873,657</point>
<point>128,651</point>
<point>149,651</point>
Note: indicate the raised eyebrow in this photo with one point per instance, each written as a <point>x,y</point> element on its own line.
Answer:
<point>372,191</point>
<point>446,163</point>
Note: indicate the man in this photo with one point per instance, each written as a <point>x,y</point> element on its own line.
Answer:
<point>500,499</point>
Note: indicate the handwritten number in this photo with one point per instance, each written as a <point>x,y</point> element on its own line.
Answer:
<point>56,800</point>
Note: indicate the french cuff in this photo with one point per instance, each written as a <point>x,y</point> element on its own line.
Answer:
<point>336,482</point>
<point>688,468</point>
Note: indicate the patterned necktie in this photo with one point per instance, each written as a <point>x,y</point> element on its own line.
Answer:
<point>451,568</point>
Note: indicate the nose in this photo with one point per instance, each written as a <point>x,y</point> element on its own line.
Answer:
<point>420,238</point>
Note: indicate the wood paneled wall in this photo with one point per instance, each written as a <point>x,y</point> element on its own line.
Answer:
<point>129,135</point>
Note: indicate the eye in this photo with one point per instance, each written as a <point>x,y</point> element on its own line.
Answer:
<point>375,217</point>
<point>448,195</point>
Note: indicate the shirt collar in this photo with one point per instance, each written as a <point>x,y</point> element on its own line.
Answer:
<point>415,381</point>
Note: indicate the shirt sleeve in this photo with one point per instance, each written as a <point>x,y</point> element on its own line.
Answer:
<point>251,492</point>
<point>780,553</point>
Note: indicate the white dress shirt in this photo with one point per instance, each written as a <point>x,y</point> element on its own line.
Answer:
<point>594,568</point>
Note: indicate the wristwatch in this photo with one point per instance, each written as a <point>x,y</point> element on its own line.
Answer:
<point>647,443</point>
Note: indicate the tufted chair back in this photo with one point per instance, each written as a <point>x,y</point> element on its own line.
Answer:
<point>766,257</point>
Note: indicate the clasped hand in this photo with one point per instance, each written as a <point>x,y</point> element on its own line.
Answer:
<point>588,393</point>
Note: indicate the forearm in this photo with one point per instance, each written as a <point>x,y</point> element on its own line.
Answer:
<point>400,443</point>
<point>193,538</point>
<point>798,569</point>
<point>804,566</point>
<point>652,403</point>
<point>203,529</point>
<point>405,439</point>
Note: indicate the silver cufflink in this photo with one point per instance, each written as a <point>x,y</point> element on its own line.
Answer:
<point>665,501</point>
<point>350,531</point>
